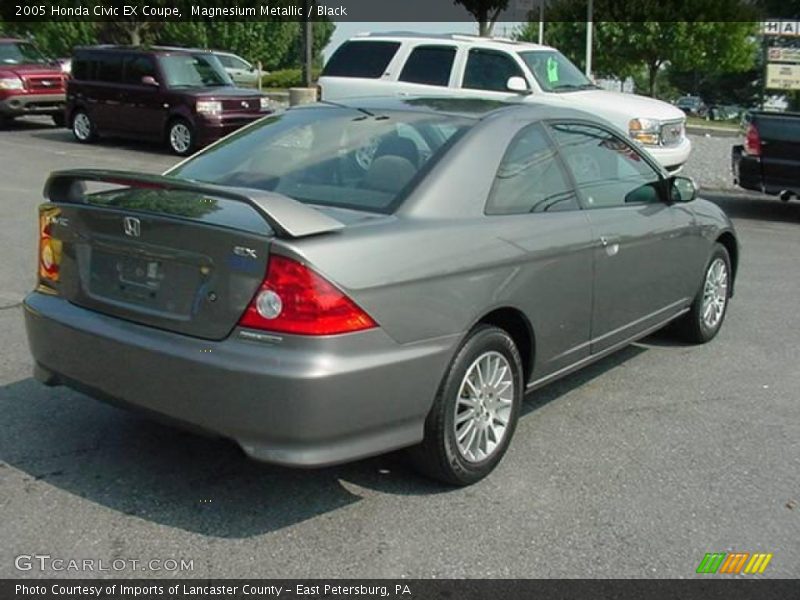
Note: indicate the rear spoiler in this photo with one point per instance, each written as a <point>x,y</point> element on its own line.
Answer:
<point>288,217</point>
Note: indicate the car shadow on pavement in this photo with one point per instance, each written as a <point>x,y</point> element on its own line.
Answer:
<point>125,462</point>
<point>755,206</point>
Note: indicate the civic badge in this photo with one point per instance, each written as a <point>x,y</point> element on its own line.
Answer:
<point>132,226</point>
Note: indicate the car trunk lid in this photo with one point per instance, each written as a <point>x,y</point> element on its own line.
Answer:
<point>167,253</point>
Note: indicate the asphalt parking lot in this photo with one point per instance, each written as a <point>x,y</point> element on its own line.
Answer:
<point>634,467</point>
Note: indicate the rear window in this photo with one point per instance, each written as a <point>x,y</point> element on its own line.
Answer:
<point>329,156</point>
<point>430,65</point>
<point>361,59</point>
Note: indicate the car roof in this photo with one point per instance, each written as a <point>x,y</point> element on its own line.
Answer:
<point>497,43</point>
<point>456,106</point>
<point>143,49</point>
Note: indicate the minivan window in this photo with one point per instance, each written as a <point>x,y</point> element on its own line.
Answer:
<point>108,67</point>
<point>137,67</point>
<point>430,65</point>
<point>330,156</point>
<point>554,72</point>
<point>361,59</point>
<point>489,70</point>
<point>193,70</point>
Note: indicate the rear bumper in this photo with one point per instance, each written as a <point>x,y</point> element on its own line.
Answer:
<point>211,129</point>
<point>32,104</point>
<point>298,401</point>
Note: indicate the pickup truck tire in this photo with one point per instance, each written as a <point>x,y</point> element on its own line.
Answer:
<point>83,128</point>
<point>475,413</point>
<point>704,320</point>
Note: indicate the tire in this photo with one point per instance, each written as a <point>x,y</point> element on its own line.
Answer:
<point>59,120</point>
<point>83,128</point>
<point>181,137</point>
<point>440,455</point>
<point>695,327</point>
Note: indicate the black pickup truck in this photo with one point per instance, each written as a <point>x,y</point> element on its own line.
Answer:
<point>769,159</point>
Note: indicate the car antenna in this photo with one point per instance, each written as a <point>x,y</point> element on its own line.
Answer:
<point>361,110</point>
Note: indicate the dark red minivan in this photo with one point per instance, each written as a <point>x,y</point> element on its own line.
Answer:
<point>175,95</point>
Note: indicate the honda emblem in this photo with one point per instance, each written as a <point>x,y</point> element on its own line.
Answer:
<point>132,226</point>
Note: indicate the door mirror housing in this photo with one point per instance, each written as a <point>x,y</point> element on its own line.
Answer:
<point>682,189</point>
<point>518,85</point>
<point>149,80</point>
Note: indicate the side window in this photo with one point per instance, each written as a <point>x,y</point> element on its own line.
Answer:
<point>81,68</point>
<point>238,63</point>
<point>366,60</point>
<point>609,171</point>
<point>530,178</point>
<point>226,61</point>
<point>108,67</point>
<point>430,65</point>
<point>489,70</point>
<point>137,67</point>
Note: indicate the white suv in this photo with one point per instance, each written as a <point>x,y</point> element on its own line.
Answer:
<point>470,66</point>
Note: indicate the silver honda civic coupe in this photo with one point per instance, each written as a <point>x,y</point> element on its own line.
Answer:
<point>337,281</point>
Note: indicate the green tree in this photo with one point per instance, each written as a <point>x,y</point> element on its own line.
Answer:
<point>485,12</point>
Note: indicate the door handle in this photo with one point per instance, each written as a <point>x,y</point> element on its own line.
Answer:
<point>610,244</point>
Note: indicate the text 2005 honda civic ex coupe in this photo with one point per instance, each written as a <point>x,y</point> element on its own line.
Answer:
<point>337,281</point>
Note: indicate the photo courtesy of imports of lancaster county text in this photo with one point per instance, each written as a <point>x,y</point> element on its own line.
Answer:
<point>426,299</point>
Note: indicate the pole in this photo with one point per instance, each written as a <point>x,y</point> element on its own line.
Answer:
<point>308,43</point>
<point>589,33</point>
<point>541,23</point>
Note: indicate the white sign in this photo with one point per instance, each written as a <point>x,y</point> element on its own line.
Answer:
<point>776,54</point>
<point>787,28</point>
<point>783,77</point>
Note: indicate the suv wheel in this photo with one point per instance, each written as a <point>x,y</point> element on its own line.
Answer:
<point>475,413</point>
<point>180,137</point>
<point>83,127</point>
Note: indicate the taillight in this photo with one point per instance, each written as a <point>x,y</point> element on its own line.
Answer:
<point>295,299</point>
<point>752,141</point>
<point>49,247</point>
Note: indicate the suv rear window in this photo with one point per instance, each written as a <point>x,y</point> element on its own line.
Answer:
<point>429,65</point>
<point>366,60</point>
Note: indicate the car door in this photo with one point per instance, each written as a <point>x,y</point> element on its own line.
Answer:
<point>106,91</point>
<point>640,240</point>
<point>143,104</point>
<point>536,210</point>
<point>486,74</point>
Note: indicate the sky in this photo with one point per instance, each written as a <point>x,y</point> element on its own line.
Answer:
<point>347,29</point>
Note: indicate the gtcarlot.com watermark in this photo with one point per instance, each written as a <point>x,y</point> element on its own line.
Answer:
<point>46,562</point>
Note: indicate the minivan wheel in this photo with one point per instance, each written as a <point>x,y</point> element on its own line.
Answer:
<point>83,127</point>
<point>704,319</point>
<point>475,413</point>
<point>180,137</point>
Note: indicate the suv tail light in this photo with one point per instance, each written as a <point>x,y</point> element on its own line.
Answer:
<point>49,247</point>
<point>295,299</point>
<point>752,141</point>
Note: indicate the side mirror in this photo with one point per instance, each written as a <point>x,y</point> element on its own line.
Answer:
<point>149,80</point>
<point>682,189</point>
<point>518,85</point>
